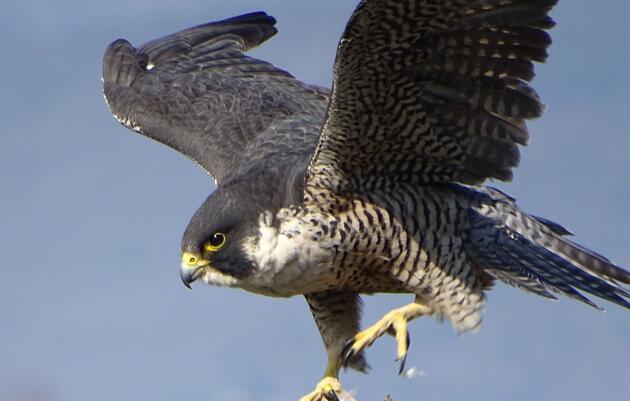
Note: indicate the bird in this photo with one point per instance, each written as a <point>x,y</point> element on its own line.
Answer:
<point>378,185</point>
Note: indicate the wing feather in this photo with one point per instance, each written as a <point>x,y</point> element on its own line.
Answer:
<point>197,92</point>
<point>432,91</point>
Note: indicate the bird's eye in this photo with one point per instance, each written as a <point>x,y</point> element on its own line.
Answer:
<point>215,242</point>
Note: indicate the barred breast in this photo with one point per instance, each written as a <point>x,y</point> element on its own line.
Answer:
<point>404,239</point>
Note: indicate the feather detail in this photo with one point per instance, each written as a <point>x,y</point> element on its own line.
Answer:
<point>530,253</point>
<point>441,81</point>
<point>197,92</point>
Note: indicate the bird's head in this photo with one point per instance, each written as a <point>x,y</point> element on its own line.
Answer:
<point>221,244</point>
<point>212,245</point>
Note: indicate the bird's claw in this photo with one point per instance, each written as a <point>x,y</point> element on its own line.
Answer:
<point>347,352</point>
<point>332,396</point>
<point>403,360</point>
<point>328,389</point>
<point>394,322</point>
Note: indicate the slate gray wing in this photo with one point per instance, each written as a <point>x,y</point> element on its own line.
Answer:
<point>432,91</point>
<point>198,93</point>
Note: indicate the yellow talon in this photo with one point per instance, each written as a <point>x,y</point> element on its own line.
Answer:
<point>394,321</point>
<point>329,389</point>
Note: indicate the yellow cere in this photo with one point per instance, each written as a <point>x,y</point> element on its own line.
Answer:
<point>190,259</point>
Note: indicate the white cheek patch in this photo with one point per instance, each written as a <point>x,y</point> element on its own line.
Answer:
<point>214,277</point>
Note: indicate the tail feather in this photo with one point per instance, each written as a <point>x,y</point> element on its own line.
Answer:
<point>592,261</point>
<point>531,253</point>
<point>510,260</point>
<point>523,280</point>
<point>556,269</point>
<point>552,225</point>
<point>501,266</point>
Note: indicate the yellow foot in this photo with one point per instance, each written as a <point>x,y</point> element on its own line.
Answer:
<point>394,322</point>
<point>329,389</point>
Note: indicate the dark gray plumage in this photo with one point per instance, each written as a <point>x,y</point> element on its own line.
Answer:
<point>371,187</point>
<point>196,92</point>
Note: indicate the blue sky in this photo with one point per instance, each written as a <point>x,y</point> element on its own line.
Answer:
<point>91,307</point>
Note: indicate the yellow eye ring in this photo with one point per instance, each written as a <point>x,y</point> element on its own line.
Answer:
<point>215,242</point>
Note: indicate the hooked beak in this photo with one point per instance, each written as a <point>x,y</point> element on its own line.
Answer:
<point>191,268</point>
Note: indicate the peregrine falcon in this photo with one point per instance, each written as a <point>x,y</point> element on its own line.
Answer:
<point>375,186</point>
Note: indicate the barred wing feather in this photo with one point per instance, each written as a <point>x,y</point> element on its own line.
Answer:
<point>432,91</point>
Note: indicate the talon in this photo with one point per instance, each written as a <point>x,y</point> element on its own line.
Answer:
<point>347,352</point>
<point>403,359</point>
<point>332,396</point>
<point>401,369</point>
<point>394,322</point>
<point>328,389</point>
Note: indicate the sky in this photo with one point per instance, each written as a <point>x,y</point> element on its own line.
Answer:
<point>91,216</point>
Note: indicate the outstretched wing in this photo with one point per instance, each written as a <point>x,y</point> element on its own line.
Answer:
<point>432,91</point>
<point>197,92</point>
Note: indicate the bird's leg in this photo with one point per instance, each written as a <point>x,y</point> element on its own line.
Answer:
<point>394,322</point>
<point>337,316</point>
<point>329,387</point>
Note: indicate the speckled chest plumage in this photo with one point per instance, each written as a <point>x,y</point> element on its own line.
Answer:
<point>403,239</point>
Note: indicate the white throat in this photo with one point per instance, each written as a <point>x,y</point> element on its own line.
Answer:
<point>287,256</point>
